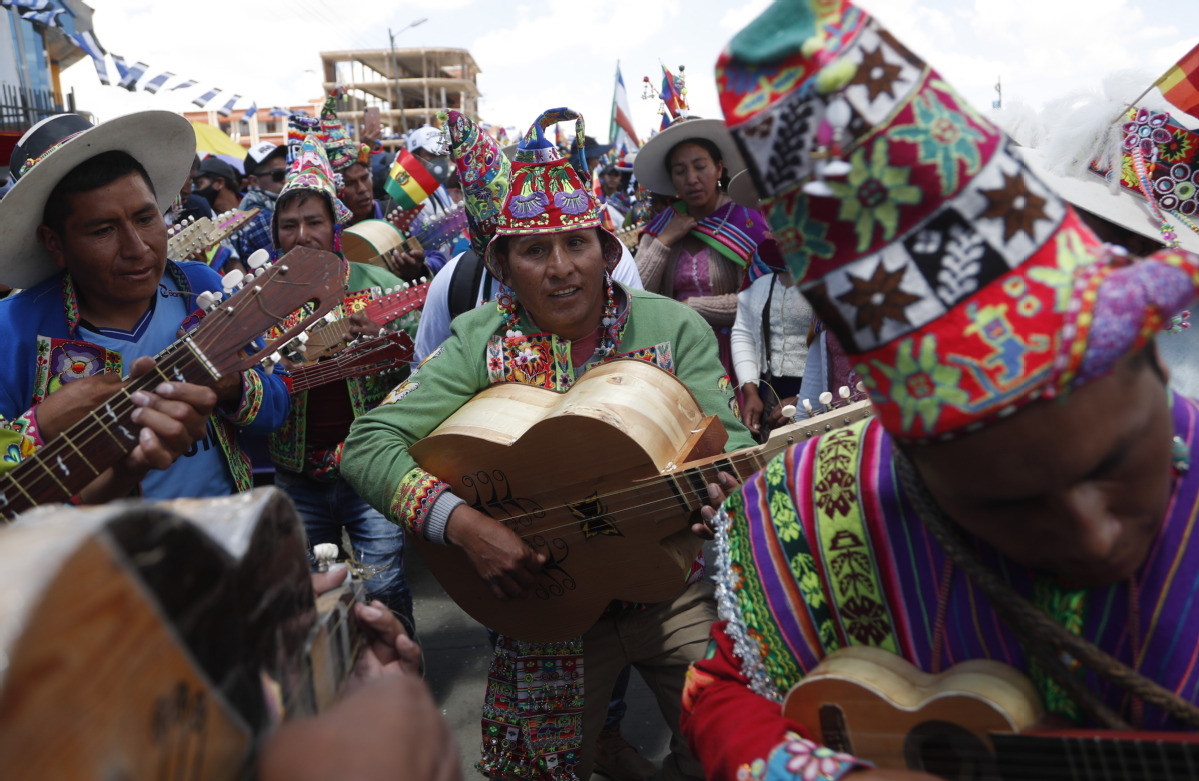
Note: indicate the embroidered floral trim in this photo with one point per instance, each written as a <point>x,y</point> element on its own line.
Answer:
<point>414,498</point>
<point>799,758</point>
<point>251,399</point>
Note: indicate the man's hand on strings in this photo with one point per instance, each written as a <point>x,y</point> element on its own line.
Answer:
<point>361,325</point>
<point>503,560</point>
<point>717,493</point>
<point>172,418</point>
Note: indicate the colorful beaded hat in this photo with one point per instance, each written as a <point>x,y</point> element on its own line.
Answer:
<point>1140,172</point>
<point>958,282</point>
<point>308,169</point>
<point>484,173</point>
<point>342,150</point>
<point>547,194</point>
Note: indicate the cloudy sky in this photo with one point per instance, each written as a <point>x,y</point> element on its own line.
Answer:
<point>563,52</point>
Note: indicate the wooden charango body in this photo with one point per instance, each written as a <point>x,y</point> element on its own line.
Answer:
<point>571,473</point>
<point>136,637</point>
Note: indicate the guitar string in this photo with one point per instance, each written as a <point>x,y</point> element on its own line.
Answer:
<point>171,357</point>
<point>737,459</point>
<point>306,378</point>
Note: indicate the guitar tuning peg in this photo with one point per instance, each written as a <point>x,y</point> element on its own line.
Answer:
<point>387,292</point>
<point>826,398</point>
<point>329,317</point>
<point>258,259</point>
<point>788,411</point>
<point>423,280</point>
<point>232,279</point>
<point>382,331</point>
<point>302,338</point>
<point>861,386</point>
<point>208,299</point>
<point>843,391</point>
<point>807,406</point>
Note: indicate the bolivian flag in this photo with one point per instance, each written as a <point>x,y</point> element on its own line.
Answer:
<point>1180,85</point>
<point>409,182</point>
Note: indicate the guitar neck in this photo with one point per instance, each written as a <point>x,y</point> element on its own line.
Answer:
<point>60,470</point>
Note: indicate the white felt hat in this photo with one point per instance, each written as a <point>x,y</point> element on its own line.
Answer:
<point>650,165</point>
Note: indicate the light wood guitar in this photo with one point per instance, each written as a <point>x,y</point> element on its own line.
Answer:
<point>156,642</point>
<point>192,239</point>
<point>977,721</point>
<point>391,305</point>
<point>604,480</point>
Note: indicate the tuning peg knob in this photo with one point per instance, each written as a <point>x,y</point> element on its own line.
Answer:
<point>861,386</point>
<point>231,280</point>
<point>788,410</point>
<point>302,338</point>
<point>843,391</point>
<point>325,554</point>
<point>807,406</point>
<point>258,259</point>
<point>208,299</point>
<point>826,398</point>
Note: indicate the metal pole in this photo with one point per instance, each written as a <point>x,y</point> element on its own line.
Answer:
<point>396,83</point>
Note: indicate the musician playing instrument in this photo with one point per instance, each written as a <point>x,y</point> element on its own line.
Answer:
<point>1024,426</point>
<point>307,448</point>
<point>558,316</point>
<point>86,239</point>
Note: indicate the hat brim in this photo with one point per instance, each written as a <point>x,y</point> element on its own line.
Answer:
<point>1094,195</point>
<point>743,192</point>
<point>612,247</point>
<point>650,165</point>
<point>164,144</point>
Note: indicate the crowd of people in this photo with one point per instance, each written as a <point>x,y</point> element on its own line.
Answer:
<point>851,222</point>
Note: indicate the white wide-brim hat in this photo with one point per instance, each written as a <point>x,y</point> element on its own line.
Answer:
<point>1093,193</point>
<point>164,144</point>
<point>650,165</point>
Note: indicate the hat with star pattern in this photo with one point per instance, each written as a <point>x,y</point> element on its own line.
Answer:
<point>960,285</point>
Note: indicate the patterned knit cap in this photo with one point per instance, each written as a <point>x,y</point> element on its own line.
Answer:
<point>484,173</point>
<point>310,170</point>
<point>342,150</point>
<point>960,285</point>
<point>547,194</point>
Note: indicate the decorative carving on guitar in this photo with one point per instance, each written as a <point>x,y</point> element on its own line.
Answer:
<point>497,506</point>
<point>556,551</point>
<point>594,520</point>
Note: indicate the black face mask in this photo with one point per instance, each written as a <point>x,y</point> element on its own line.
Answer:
<point>209,194</point>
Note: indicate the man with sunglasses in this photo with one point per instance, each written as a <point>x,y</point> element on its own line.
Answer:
<point>265,170</point>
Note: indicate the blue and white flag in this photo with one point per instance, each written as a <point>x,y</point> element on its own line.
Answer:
<point>155,84</point>
<point>207,97</point>
<point>251,111</point>
<point>42,17</point>
<point>227,109</point>
<point>89,44</point>
<point>185,84</point>
<point>28,5</point>
<point>129,80</point>
<point>122,68</point>
<point>277,112</point>
<point>102,71</point>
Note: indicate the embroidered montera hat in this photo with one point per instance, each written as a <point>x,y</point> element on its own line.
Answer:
<point>1140,172</point>
<point>547,194</point>
<point>484,173</point>
<point>163,142</point>
<point>958,282</point>
<point>342,150</point>
<point>309,169</point>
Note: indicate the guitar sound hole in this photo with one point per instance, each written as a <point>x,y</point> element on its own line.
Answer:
<point>949,751</point>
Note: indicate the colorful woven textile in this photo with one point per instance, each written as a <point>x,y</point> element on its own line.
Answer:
<point>732,230</point>
<point>830,553</point>
<point>945,268</point>
<point>342,150</point>
<point>310,170</point>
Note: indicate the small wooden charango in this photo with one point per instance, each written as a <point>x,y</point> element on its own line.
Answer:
<point>603,479</point>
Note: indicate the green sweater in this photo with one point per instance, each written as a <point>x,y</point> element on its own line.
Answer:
<point>375,458</point>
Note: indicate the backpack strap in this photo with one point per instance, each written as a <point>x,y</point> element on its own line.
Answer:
<point>464,284</point>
